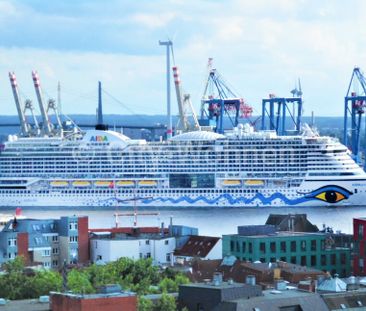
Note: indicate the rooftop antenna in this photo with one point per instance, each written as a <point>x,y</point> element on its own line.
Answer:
<point>168,45</point>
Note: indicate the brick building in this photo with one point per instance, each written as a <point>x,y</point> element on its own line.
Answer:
<point>359,236</point>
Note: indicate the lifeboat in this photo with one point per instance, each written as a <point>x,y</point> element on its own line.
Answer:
<point>59,183</point>
<point>147,183</point>
<point>125,183</point>
<point>254,182</point>
<point>81,183</point>
<point>104,183</point>
<point>231,182</point>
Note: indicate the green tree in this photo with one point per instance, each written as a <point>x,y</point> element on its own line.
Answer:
<point>78,282</point>
<point>166,303</point>
<point>168,285</point>
<point>44,282</point>
<point>13,281</point>
<point>144,304</point>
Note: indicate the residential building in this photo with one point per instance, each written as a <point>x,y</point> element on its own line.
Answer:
<point>198,247</point>
<point>265,244</point>
<point>359,237</point>
<point>46,241</point>
<point>291,222</point>
<point>134,243</point>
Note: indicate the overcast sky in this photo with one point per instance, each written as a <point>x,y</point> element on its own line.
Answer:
<point>259,47</point>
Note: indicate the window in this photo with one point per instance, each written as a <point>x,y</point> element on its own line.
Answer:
<point>283,246</point>
<point>262,259</point>
<point>55,238</point>
<point>273,259</point>
<point>250,246</point>
<point>232,244</point>
<point>147,242</point>
<point>73,238</point>
<point>360,231</point>
<point>73,225</point>
<point>55,251</point>
<point>243,246</point>
<point>343,258</point>
<point>272,246</point>
<point>313,245</point>
<point>54,263</point>
<point>46,253</point>
<point>12,242</point>
<point>303,260</point>
<point>262,247</point>
<point>168,257</point>
<point>323,260</point>
<point>166,242</point>
<point>99,257</point>
<point>313,260</point>
<point>303,245</point>
<point>333,259</point>
<point>148,255</point>
<point>293,246</point>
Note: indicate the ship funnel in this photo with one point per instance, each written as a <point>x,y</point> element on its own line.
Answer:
<point>100,125</point>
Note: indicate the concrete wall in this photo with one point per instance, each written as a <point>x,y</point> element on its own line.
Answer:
<point>111,250</point>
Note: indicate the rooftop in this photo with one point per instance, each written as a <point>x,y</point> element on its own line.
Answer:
<point>197,246</point>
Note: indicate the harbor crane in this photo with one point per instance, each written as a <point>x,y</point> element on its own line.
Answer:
<point>187,116</point>
<point>277,110</point>
<point>219,100</point>
<point>25,126</point>
<point>354,106</point>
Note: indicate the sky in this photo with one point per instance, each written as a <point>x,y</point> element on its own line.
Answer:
<point>259,47</point>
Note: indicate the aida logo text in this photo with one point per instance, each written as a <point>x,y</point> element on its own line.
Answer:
<point>99,138</point>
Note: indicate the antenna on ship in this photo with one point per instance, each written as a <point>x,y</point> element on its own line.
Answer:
<point>100,125</point>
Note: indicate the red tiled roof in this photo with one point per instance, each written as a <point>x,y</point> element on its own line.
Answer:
<point>197,246</point>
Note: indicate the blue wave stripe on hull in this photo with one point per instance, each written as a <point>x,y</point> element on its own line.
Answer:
<point>229,198</point>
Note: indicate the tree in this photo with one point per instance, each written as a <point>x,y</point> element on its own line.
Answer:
<point>166,303</point>
<point>78,282</point>
<point>168,286</point>
<point>13,281</point>
<point>144,304</point>
<point>44,282</point>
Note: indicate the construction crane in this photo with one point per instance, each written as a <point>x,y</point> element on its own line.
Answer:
<point>219,100</point>
<point>354,105</point>
<point>187,116</point>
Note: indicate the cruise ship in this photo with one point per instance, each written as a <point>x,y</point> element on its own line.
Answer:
<point>240,168</point>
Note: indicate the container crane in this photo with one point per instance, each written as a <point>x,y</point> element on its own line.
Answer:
<point>219,100</point>
<point>354,105</point>
<point>187,116</point>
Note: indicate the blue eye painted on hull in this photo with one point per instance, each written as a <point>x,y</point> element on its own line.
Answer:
<point>329,194</point>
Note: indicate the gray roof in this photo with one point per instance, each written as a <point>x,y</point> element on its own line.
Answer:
<point>332,285</point>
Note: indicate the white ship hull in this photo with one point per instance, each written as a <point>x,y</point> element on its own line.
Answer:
<point>198,169</point>
<point>355,191</point>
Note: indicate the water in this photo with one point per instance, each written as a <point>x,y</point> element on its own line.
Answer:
<point>209,221</point>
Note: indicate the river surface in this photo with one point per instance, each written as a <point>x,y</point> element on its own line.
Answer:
<point>209,221</point>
